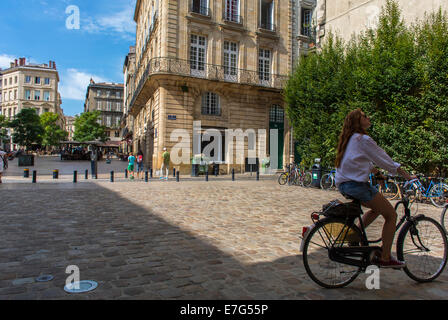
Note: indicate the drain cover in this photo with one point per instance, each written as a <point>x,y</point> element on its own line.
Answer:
<point>44,278</point>
<point>81,286</point>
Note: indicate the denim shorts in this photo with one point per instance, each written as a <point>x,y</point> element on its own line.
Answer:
<point>139,167</point>
<point>362,191</point>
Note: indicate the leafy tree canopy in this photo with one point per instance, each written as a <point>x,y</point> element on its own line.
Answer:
<point>52,133</point>
<point>27,128</point>
<point>87,127</point>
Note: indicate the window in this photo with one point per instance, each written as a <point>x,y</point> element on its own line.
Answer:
<point>28,94</point>
<point>47,81</point>
<point>36,94</point>
<point>98,93</point>
<point>15,94</point>
<point>37,80</point>
<point>118,107</point>
<point>108,121</point>
<point>46,95</point>
<point>98,105</point>
<point>108,94</point>
<point>232,11</point>
<point>117,134</point>
<point>109,106</point>
<point>10,95</point>
<point>198,51</point>
<point>15,79</point>
<point>230,60</point>
<point>264,65</point>
<point>117,94</point>
<point>267,15</point>
<point>210,104</point>
<point>200,6</point>
<point>0,97</point>
<point>27,79</point>
<point>46,110</point>
<point>10,81</point>
<point>276,114</point>
<point>306,22</point>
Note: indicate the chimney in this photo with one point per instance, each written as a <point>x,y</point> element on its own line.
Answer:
<point>54,65</point>
<point>11,65</point>
<point>91,81</point>
<point>22,61</point>
<point>16,62</point>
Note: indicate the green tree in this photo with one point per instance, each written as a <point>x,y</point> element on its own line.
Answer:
<point>27,128</point>
<point>4,125</point>
<point>87,127</point>
<point>52,134</point>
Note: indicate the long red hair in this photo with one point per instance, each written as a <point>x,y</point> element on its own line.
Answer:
<point>352,124</point>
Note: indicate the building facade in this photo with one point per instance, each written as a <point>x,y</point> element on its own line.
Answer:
<point>127,122</point>
<point>108,99</point>
<point>348,17</point>
<point>70,127</point>
<point>223,63</point>
<point>30,86</point>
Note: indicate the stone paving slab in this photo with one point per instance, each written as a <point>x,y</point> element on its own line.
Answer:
<point>167,240</point>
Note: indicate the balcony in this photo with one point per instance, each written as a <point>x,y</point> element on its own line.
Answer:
<point>195,69</point>
<point>196,8</point>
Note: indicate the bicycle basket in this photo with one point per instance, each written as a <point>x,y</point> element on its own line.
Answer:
<point>337,208</point>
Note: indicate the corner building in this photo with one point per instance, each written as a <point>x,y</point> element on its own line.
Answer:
<point>223,63</point>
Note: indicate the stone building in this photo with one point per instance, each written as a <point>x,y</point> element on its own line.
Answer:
<point>127,122</point>
<point>223,63</point>
<point>108,99</point>
<point>348,17</point>
<point>26,85</point>
<point>70,127</point>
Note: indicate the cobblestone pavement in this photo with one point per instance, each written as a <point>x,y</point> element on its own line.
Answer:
<point>172,240</point>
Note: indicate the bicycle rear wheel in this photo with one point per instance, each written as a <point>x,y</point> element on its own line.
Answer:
<point>326,182</point>
<point>422,244</point>
<point>390,190</point>
<point>439,195</point>
<point>318,265</point>
<point>283,178</point>
<point>307,179</point>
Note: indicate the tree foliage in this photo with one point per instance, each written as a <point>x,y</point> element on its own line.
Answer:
<point>4,125</point>
<point>397,74</point>
<point>52,132</point>
<point>27,128</point>
<point>87,127</point>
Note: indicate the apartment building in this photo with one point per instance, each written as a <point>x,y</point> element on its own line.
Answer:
<point>127,121</point>
<point>223,63</point>
<point>70,127</point>
<point>349,17</point>
<point>30,86</point>
<point>108,99</point>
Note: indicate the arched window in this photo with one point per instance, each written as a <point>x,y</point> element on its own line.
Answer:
<point>211,104</point>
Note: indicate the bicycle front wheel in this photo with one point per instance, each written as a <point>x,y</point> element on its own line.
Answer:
<point>326,182</point>
<point>444,219</point>
<point>439,195</point>
<point>318,265</point>
<point>307,179</point>
<point>283,178</point>
<point>422,244</point>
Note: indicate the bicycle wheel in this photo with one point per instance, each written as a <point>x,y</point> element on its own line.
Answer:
<point>439,195</point>
<point>283,178</point>
<point>321,269</point>
<point>307,179</point>
<point>444,219</point>
<point>422,244</point>
<point>390,190</point>
<point>326,182</point>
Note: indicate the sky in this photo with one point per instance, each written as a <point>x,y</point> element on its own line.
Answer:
<point>44,30</point>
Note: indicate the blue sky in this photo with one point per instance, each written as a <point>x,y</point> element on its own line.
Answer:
<point>36,30</point>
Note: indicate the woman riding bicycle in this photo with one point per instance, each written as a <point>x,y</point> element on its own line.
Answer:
<point>356,155</point>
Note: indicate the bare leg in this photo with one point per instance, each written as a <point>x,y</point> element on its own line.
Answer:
<point>380,205</point>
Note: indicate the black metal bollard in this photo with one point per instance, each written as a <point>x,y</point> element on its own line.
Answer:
<point>174,172</point>
<point>150,173</point>
<point>146,176</point>
<point>258,175</point>
<point>34,176</point>
<point>26,173</point>
<point>55,174</point>
<point>233,174</point>
<point>86,176</point>
<point>206,175</point>
<point>75,176</point>
<point>177,176</point>
<point>111,176</point>
<point>126,173</point>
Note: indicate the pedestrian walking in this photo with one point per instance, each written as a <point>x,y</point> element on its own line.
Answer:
<point>165,164</point>
<point>139,164</point>
<point>3,161</point>
<point>131,162</point>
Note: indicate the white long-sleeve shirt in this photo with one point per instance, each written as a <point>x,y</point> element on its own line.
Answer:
<point>360,157</point>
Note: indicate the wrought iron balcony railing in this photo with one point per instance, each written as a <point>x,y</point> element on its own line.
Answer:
<point>207,71</point>
<point>267,26</point>
<point>228,16</point>
<point>195,7</point>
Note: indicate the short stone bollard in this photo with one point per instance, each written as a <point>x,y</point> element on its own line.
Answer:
<point>174,172</point>
<point>206,175</point>
<point>146,176</point>
<point>55,174</point>
<point>126,173</point>
<point>75,176</point>
<point>258,175</point>
<point>86,176</point>
<point>233,174</point>
<point>26,173</point>
<point>111,176</point>
<point>177,176</point>
<point>34,176</point>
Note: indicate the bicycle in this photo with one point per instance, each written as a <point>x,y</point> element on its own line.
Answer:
<point>328,180</point>
<point>436,192</point>
<point>444,218</point>
<point>389,189</point>
<point>335,250</point>
<point>305,178</point>
<point>284,177</point>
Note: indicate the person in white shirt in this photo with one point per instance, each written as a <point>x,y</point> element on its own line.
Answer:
<point>357,156</point>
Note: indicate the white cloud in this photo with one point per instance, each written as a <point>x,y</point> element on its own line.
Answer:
<point>74,84</point>
<point>5,61</point>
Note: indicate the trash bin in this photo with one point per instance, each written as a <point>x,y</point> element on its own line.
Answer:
<point>195,170</point>
<point>316,171</point>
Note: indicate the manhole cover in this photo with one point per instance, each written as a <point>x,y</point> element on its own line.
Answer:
<point>81,286</point>
<point>44,278</point>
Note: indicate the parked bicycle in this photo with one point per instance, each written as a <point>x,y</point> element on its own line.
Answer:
<point>328,181</point>
<point>437,192</point>
<point>336,251</point>
<point>444,218</point>
<point>389,188</point>
<point>295,176</point>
